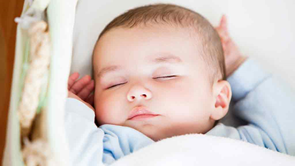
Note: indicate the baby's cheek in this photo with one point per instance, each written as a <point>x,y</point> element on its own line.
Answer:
<point>107,111</point>
<point>179,91</point>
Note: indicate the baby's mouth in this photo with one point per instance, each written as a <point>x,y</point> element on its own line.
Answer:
<point>141,113</point>
<point>143,116</point>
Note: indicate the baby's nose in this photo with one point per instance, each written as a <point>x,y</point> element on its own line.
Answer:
<point>138,92</point>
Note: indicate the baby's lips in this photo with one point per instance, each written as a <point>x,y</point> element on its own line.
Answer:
<point>140,110</point>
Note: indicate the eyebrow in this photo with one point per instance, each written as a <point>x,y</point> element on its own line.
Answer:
<point>170,59</point>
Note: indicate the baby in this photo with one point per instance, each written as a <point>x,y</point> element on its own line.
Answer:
<point>159,72</point>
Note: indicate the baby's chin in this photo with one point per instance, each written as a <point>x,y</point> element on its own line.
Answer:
<point>158,137</point>
<point>148,130</point>
<point>158,134</point>
<point>159,130</point>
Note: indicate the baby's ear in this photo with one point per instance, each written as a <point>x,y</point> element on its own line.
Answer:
<point>222,96</point>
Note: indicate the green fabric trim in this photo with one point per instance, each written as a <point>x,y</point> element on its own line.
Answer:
<point>25,66</point>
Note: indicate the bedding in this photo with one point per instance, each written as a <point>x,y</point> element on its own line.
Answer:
<point>198,149</point>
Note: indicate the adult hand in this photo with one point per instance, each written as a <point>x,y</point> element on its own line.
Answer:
<point>232,55</point>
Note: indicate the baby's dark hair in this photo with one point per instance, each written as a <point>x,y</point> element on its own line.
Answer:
<point>212,52</point>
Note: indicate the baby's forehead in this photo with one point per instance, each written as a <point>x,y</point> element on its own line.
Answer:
<point>154,31</point>
<point>156,39</point>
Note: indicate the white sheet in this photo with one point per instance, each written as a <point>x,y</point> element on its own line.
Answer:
<point>197,149</point>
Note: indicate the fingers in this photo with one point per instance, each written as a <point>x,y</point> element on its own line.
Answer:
<point>87,90</point>
<point>81,89</point>
<point>222,28</point>
<point>71,95</point>
<point>72,79</point>
<point>223,23</point>
<point>80,84</point>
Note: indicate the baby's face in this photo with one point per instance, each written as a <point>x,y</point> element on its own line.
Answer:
<point>157,69</point>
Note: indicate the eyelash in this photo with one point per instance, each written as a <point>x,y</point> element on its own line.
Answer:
<point>168,76</point>
<point>162,77</point>
<point>115,85</point>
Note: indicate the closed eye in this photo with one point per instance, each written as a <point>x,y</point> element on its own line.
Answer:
<point>161,77</point>
<point>115,85</point>
<point>166,77</point>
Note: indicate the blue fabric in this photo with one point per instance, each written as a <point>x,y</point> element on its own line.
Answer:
<point>90,145</point>
<point>120,141</point>
<point>265,106</point>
